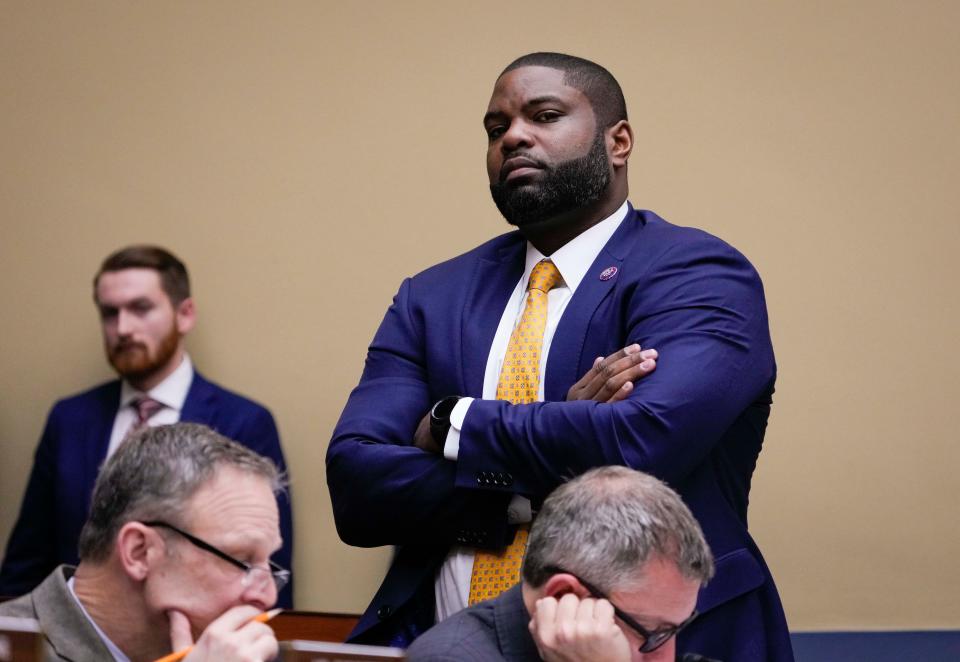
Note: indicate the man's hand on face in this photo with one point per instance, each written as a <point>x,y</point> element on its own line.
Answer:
<point>577,630</point>
<point>233,637</point>
<point>611,379</point>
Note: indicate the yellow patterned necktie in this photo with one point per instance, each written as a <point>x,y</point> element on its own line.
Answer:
<point>495,572</point>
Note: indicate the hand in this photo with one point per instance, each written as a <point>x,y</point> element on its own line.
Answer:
<point>611,379</point>
<point>231,638</point>
<point>577,630</point>
<point>423,438</point>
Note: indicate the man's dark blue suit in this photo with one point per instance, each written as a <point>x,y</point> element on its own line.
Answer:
<point>697,422</point>
<point>71,450</point>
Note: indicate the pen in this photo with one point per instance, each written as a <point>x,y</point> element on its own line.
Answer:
<point>183,652</point>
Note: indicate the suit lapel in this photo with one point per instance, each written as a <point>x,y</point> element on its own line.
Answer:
<point>63,623</point>
<point>200,405</point>
<point>565,364</point>
<point>489,290</point>
<point>99,431</point>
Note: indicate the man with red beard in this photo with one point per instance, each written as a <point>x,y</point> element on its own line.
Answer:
<point>142,294</point>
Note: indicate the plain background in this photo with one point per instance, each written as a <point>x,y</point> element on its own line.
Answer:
<point>304,157</point>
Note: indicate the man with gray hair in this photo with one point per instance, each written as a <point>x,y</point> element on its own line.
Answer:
<point>143,297</point>
<point>613,566</point>
<point>176,548</point>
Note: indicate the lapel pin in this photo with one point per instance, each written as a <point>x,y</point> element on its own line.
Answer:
<point>608,273</point>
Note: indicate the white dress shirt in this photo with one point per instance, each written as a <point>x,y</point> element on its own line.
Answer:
<point>572,260</point>
<point>171,393</point>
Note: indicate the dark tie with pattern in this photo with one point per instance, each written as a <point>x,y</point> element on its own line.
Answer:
<point>146,407</point>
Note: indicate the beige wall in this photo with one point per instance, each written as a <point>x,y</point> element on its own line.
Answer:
<point>304,157</point>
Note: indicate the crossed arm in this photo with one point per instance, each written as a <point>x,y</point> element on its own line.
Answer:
<point>610,379</point>
<point>702,308</point>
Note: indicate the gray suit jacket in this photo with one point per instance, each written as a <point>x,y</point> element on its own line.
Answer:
<point>70,636</point>
<point>490,631</point>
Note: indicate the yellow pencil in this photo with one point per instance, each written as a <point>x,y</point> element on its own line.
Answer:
<point>180,654</point>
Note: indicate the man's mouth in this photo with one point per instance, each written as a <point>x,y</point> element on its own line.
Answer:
<point>518,166</point>
<point>128,347</point>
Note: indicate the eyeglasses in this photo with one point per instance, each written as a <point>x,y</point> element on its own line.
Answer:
<point>652,639</point>
<point>253,575</point>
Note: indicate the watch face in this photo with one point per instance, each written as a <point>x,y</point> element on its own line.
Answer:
<point>441,411</point>
<point>440,418</point>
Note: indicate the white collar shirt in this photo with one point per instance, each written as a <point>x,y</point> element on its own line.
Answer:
<point>171,393</point>
<point>572,260</point>
<point>117,654</point>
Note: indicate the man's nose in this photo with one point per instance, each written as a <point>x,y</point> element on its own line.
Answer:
<point>517,135</point>
<point>125,323</point>
<point>261,594</point>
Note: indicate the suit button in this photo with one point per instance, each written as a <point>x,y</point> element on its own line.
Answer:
<point>508,480</point>
<point>384,612</point>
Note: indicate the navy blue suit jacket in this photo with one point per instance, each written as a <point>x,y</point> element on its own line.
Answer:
<point>697,422</point>
<point>71,450</point>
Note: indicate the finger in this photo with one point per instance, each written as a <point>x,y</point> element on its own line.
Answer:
<point>621,393</point>
<point>582,383</point>
<point>585,613</point>
<point>602,369</point>
<point>543,623</point>
<point>224,639</point>
<point>180,634</point>
<point>252,633</point>
<point>606,375</point>
<point>603,612</point>
<point>627,370</point>
<point>615,367</point>
<point>566,621</point>
<point>265,647</point>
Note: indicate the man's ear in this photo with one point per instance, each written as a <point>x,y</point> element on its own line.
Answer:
<point>186,315</point>
<point>138,548</point>
<point>620,143</point>
<point>560,584</point>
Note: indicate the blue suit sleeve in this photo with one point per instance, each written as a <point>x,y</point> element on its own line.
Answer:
<point>384,490</point>
<point>701,305</point>
<point>32,548</point>
<point>699,302</point>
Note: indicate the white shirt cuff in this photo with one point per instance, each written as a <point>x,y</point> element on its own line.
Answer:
<point>451,448</point>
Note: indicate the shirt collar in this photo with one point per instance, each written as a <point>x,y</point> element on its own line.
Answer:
<point>118,655</point>
<point>575,257</point>
<point>171,392</point>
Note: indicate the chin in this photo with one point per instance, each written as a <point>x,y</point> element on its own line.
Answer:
<point>133,370</point>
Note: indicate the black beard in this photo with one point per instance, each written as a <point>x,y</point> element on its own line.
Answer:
<point>565,187</point>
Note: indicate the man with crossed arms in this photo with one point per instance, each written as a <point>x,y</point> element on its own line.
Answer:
<point>443,452</point>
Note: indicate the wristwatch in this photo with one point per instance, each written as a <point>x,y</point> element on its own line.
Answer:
<point>440,418</point>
